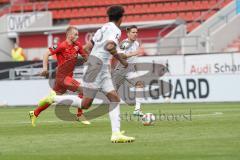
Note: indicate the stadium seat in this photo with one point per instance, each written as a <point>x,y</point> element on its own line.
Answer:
<point>4,1</point>
<point>67,14</point>
<point>74,13</point>
<point>181,6</point>
<point>192,26</point>
<point>144,9</point>
<point>15,8</point>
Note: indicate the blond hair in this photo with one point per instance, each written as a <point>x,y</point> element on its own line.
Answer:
<point>70,29</point>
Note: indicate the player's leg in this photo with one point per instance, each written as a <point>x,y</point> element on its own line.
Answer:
<point>90,87</point>
<point>61,86</point>
<point>114,112</point>
<point>75,86</point>
<point>126,74</point>
<point>45,103</point>
<point>75,101</point>
<point>72,100</point>
<point>131,78</point>
<point>139,85</point>
<point>119,78</point>
<point>87,100</point>
<point>137,111</point>
<point>79,110</point>
<point>72,85</point>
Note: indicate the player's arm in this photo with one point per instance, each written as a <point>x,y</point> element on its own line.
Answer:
<point>111,47</point>
<point>130,54</point>
<point>86,49</point>
<point>88,46</point>
<point>138,52</point>
<point>50,52</point>
<point>45,63</point>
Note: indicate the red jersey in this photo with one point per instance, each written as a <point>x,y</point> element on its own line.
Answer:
<point>67,57</point>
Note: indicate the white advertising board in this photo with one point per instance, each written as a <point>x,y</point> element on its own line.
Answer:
<point>16,22</point>
<point>175,64</point>
<point>205,64</point>
<point>197,88</point>
<point>194,78</point>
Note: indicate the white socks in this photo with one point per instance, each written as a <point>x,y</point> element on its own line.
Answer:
<point>71,100</point>
<point>114,114</point>
<point>138,104</point>
<point>114,108</point>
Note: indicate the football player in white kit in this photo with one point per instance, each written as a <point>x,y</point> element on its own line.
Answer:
<point>130,49</point>
<point>98,77</point>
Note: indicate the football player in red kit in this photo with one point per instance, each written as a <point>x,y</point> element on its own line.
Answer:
<point>67,53</point>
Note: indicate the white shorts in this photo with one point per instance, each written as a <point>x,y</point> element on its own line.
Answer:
<point>97,77</point>
<point>121,74</point>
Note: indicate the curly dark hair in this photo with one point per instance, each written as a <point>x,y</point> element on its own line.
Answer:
<point>115,12</point>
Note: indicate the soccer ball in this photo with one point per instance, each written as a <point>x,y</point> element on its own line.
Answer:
<point>148,119</point>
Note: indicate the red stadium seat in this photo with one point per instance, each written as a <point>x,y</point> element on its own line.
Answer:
<point>15,8</point>
<point>55,14</point>
<point>197,5</point>
<point>143,9</point>
<point>174,6</point>
<point>61,14</point>
<point>188,16</point>
<point>181,6</point>
<point>102,19</point>
<point>74,13</point>
<point>51,5</point>
<point>4,1</point>
<point>173,15</point>
<point>196,15</point>
<point>206,4</point>
<point>73,22</point>
<point>67,13</point>
<point>28,8</point>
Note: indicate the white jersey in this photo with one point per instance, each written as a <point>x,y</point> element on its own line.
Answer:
<point>108,32</point>
<point>128,46</point>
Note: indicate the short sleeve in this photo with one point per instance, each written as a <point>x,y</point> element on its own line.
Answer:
<point>114,36</point>
<point>107,33</point>
<point>97,35</point>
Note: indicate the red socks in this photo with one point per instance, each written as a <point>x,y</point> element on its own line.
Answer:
<point>39,109</point>
<point>79,112</point>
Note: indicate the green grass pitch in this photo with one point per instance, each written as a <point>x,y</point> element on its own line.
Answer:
<point>200,132</point>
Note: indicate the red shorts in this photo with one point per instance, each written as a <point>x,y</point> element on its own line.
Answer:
<point>63,84</point>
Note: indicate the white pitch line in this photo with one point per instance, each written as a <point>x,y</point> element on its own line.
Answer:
<point>103,119</point>
<point>213,114</point>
